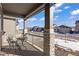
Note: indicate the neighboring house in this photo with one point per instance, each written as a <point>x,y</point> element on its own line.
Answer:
<point>73,28</point>
<point>62,29</point>
<point>40,29</point>
<point>37,29</point>
<point>77,26</point>
<point>55,28</point>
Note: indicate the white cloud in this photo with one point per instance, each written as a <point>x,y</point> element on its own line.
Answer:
<point>58,5</point>
<point>56,17</point>
<point>21,20</point>
<point>73,17</point>
<point>59,10</point>
<point>42,19</point>
<point>66,7</point>
<point>75,12</point>
<point>32,19</point>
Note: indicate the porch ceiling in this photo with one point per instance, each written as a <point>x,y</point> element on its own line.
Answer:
<point>19,9</point>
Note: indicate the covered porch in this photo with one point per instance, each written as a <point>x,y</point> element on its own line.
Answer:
<point>28,45</point>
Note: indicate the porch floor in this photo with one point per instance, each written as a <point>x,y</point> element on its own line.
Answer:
<point>28,51</point>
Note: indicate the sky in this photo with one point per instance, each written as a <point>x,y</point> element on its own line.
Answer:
<point>20,23</point>
<point>37,20</point>
<point>64,14</point>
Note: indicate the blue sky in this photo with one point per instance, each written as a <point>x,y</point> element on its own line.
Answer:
<point>37,20</point>
<point>64,14</point>
<point>20,21</point>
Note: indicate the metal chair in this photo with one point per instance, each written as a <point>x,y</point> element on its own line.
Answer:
<point>12,44</point>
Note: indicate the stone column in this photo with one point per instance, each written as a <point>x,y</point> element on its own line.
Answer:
<point>49,48</point>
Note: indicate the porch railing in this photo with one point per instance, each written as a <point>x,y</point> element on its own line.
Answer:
<point>35,39</point>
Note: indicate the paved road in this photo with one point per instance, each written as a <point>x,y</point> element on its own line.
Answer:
<point>67,37</point>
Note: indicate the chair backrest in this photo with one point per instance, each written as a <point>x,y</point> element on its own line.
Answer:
<point>10,38</point>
